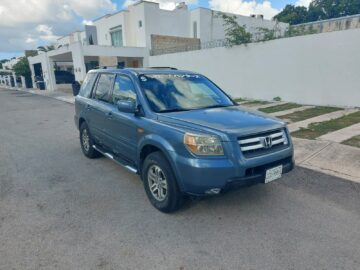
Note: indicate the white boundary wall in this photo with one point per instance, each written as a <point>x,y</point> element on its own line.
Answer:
<point>320,69</point>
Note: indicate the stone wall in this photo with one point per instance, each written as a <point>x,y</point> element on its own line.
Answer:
<point>108,61</point>
<point>169,44</point>
<point>336,24</point>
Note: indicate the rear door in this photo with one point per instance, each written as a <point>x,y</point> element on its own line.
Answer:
<point>99,109</point>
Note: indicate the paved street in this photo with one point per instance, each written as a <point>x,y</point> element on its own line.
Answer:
<point>59,210</point>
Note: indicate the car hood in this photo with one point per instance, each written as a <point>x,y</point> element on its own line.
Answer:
<point>235,121</point>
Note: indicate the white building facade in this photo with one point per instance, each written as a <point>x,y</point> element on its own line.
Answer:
<point>125,39</point>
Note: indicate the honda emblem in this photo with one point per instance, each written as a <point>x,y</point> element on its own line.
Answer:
<point>267,142</point>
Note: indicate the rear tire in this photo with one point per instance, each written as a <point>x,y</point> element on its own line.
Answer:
<point>87,142</point>
<point>160,183</point>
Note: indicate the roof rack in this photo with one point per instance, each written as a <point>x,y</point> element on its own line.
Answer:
<point>172,68</point>
<point>108,67</point>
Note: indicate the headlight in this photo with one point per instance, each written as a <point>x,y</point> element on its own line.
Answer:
<point>204,145</point>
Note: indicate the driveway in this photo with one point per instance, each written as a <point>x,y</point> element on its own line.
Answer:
<point>59,210</point>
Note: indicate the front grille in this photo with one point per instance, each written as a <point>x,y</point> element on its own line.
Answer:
<point>263,143</point>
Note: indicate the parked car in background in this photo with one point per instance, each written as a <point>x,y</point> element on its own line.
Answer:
<point>180,132</point>
<point>62,77</point>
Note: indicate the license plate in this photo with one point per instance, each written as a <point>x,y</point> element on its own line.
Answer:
<point>273,174</point>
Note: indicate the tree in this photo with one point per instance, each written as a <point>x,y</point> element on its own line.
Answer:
<point>318,10</point>
<point>328,9</point>
<point>235,34</point>
<point>22,68</point>
<point>2,62</point>
<point>292,15</point>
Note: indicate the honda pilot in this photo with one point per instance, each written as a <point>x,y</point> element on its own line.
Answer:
<point>180,132</point>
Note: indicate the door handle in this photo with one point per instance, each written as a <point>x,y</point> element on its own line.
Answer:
<point>88,107</point>
<point>109,115</point>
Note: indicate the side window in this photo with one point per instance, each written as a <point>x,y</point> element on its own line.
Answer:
<point>87,85</point>
<point>104,86</point>
<point>123,89</point>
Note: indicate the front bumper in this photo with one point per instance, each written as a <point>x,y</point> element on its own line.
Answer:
<point>201,176</point>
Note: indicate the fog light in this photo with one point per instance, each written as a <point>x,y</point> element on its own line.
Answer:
<point>213,191</point>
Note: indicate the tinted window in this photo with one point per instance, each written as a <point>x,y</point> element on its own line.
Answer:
<point>87,85</point>
<point>123,89</point>
<point>176,92</point>
<point>104,86</point>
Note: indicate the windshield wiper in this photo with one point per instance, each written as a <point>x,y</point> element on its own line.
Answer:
<point>173,110</point>
<point>214,106</point>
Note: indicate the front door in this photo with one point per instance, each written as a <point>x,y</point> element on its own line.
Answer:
<point>123,129</point>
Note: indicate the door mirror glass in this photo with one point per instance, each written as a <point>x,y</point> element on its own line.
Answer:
<point>128,106</point>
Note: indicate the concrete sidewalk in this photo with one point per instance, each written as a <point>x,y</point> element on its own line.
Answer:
<point>342,134</point>
<point>59,95</point>
<point>328,157</point>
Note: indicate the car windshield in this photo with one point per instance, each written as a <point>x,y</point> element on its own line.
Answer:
<point>181,92</point>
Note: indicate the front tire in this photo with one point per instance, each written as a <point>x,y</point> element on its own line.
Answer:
<point>160,183</point>
<point>87,142</point>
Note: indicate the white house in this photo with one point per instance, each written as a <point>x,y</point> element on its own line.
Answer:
<point>125,38</point>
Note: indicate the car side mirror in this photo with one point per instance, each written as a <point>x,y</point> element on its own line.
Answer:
<point>76,88</point>
<point>127,106</point>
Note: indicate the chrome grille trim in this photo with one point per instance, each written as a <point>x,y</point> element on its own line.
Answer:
<point>258,142</point>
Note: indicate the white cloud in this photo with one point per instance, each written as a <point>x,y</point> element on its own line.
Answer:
<point>24,24</point>
<point>164,4</point>
<point>87,22</point>
<point>304,3</point>
<point>245,7</point>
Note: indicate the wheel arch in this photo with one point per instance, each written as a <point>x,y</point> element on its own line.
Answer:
<point>81,121</point>
<point>157,143</point>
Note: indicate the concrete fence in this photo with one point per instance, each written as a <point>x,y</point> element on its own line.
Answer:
<point>319,69</point>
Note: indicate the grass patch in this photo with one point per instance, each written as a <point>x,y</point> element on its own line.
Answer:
<point>278,108</point>
<point>256,103</point>
<point>315,130</point>
<point>239,99</point>
<point>354,141</point>
<point>309,113</point>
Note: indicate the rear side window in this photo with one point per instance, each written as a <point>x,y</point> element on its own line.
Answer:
<point>87,85</point>
<point>103,87</point>
<point>123,89</point>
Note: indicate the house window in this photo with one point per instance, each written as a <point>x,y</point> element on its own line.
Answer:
<point>140,24</point>
<point>195,29</point>
<point>116,36</point>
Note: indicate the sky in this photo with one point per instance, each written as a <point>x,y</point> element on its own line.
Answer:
<point>27,24</point>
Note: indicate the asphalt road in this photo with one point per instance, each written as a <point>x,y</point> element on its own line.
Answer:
<point>59,210</point>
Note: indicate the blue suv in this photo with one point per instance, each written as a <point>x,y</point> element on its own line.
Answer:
<point>180,132</point>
